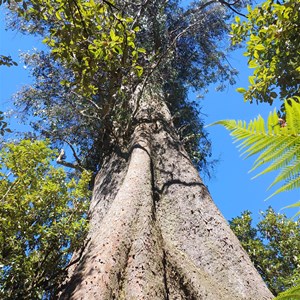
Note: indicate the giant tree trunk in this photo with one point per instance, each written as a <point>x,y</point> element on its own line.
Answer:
<point>155,233</point>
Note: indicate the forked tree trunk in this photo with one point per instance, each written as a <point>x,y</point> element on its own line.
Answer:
<point>155,232</point>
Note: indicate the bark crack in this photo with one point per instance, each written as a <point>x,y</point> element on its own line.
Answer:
<point>121,274</point>
<point>164,262</point>
<point>155,191</point>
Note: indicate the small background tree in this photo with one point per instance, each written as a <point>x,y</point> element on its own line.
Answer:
<point>42,220</point>
<point>273,246</point>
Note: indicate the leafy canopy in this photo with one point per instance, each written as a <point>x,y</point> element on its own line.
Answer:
<point>101,51</point>
<point>273,47</point>
<point>273,246</point>
<point>42,220</point>
<point>82,35</point>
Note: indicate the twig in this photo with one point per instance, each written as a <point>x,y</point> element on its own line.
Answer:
<point>79,256</point>
<point>74,152</point>
<point>230,6</point>
<point>89,100</point>
<point>62,162</point>
<point>8,190</point>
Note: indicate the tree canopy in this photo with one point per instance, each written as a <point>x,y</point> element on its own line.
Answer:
<point>101,51</point>
<point>87,91</point>
<point>271,31</point>
<point>42,220</point>
<point>273,246</point>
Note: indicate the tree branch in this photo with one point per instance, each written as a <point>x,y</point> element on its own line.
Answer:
<point>60,160</point>
<point>230,6</point>
<point>8,190</point>
<point>73,151</point>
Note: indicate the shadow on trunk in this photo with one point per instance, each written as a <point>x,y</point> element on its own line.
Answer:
<point>155,232</point>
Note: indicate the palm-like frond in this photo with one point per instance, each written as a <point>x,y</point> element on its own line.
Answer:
<point>277,142</point>
<point>290,294</point>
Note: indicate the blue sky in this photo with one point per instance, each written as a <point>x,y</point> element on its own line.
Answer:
<point>231,188</point>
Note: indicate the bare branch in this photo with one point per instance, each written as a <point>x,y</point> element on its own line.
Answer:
<point>73,151</point>
<point>230,6</point>
<point>89,100</point>
<point>60,160</point>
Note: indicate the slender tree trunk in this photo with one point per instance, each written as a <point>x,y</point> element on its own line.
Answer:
<point>155,232</point>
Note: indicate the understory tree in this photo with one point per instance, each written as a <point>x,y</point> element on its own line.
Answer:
<point>273,246</point>
<point>41,220</point>
<point>114,88</point>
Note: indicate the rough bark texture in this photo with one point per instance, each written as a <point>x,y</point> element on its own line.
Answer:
<point>155,232</point>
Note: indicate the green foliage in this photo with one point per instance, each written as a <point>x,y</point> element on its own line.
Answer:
<point>273,246</point>
<point>7,61</point>
<point>42,220</point>
<point>3,125</point>
<point>84,35</point>
<point>291,294</point>
<point>278,144</point>
<point>273,48</point>
<point>101,51</point>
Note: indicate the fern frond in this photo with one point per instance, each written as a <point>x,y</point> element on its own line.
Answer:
<point>252,140</point>
<point>277,149</point>
<point>277,143</point>
<point>297,204</point>
<point>293,114</point>
<point>290,185</point>
<point>286,157</point>
<point>288,173</point>
<point>291,294</point>
<point>262,145</point>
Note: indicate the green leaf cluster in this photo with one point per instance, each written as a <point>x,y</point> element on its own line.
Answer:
<point>3,125</point>
<point>278,143</point>
<point>42,220</point>
<point>83,91</point>
<point>273,48</point>
<point>7,60</point>
<point>84,36</point>
<point>273,246</point>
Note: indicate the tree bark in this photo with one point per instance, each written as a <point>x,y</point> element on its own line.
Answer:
<point>154,232</point>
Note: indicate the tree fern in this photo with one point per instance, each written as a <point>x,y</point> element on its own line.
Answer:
<point>277,143</point>
<point>290,294</point>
